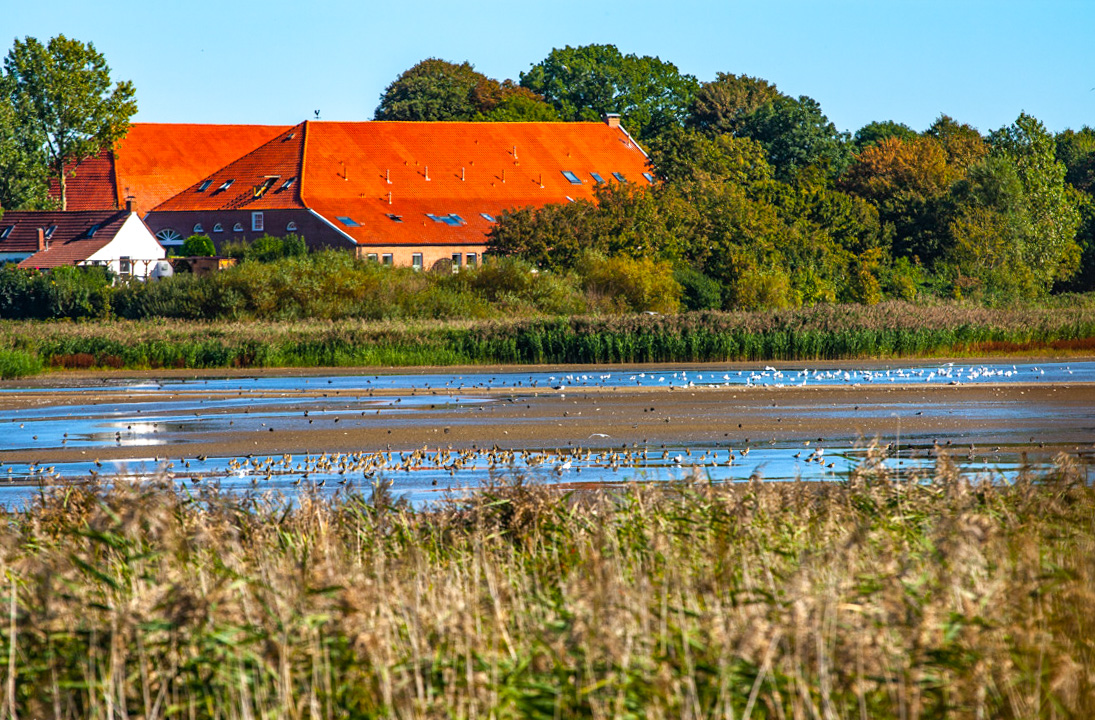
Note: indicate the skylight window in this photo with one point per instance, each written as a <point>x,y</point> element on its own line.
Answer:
<point>395,218</point>
<point>347,221</point>
<point>597,177</point>
<point>574,179</point>
<point>488,218</point>
<point>452,219</point>
<point>226,184</point>
<point>620,177</point>
<point>5,231</point>
<point>288,183</point>
<point>649,178</point>
<point>569,198</point>
<point>50,230</point>
<point>205,185</point>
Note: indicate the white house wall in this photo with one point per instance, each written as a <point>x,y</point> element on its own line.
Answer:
<point>135,241</point>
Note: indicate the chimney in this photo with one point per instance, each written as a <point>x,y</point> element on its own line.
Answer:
<point>130,204</point>
<point>41,239</point>
<point>612,120</point>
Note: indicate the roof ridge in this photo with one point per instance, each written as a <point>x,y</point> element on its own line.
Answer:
<point>301,167</point>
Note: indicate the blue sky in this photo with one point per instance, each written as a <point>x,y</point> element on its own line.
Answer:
<point>276,62</point>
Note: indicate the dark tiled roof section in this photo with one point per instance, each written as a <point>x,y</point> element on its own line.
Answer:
<point>69,242</point>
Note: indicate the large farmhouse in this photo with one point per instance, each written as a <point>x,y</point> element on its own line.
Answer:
<point>157,160</point>
<point>402,193</point>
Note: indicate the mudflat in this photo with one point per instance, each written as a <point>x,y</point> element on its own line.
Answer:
<point>1041,418</point>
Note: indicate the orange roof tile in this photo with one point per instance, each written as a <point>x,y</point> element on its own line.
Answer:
<point>368,171</point>
<point>154,161</point>
<point>264,179</point>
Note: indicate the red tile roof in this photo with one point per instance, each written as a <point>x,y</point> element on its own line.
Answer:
<point>266,178</point>
<point>154,161</point>
<point>70,241</point>
<point>367,171</point>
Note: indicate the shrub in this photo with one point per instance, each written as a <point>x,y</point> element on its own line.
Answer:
<point>17,363</point>
<point>698,291</point>
<point>198,246</point>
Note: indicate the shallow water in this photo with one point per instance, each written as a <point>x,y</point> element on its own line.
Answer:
<point>195,411</point>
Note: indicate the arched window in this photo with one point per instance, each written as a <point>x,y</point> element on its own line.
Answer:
<point>291,227</point>
<point>218,228</point>
<point>238,227</point>
<point>198,228</point>
<point>167,236</point>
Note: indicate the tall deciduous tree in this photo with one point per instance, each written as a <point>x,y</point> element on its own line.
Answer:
<point>1050,248</point>
<point>584,83</point>
<point>797,134</point>
<point>23,181</point>
<point>721,106</point>
<point>62,93</point>
<point>436,90</point>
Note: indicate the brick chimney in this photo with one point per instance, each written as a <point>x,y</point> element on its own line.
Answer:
<point>612,120</point>
<point>130,204</point>
<point>41,239</point>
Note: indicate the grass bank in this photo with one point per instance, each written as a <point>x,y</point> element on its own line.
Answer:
<point>825,332</point>
<point>870,598</point>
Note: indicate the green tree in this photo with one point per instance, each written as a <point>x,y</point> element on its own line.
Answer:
<point>962,143</point>
<point>438,90</point>
<point>874,132</point>
<point>721,106</point>
<point>63,94</point>
<point>1076,151</point>
<point>584,83</point>
<point>433,89</point>
<point>198,246</point>
<point>796,134</point>
<point>24,183</point>
<point>1049,246</point>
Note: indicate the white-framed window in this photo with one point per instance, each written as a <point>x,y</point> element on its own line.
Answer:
<point>456,258</point>
<point>238,227</point>
<point>218,228</point>
<point>386,259</point>
<point>470,259</point>
<point>291,227</point>
<point>198,228</point>
<point>167,236</point>
<point>124,266</point>
<point>416,261</point>
<point>371,257</point>
<point>256,221</point>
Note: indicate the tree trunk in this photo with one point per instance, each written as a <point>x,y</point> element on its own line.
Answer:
<point>61,187</point>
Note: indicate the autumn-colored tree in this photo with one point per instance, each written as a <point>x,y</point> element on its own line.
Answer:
<point>875,132</point>
<point>895,166</point>
<point>962,143</point>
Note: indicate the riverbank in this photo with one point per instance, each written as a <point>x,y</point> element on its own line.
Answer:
<point>830,332</point>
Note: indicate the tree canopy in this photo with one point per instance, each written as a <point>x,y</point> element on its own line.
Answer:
<point>436,90</point>
<point>63,96</point>
<point>585,83</point>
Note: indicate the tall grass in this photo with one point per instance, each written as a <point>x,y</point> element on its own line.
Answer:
<point>819,333</point>
<point>871,598</point>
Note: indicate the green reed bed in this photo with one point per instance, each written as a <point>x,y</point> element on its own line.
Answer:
<point>819,333</point>
<point>870,598</point>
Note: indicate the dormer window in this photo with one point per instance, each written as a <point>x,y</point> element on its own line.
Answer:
<point>205,185</point>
